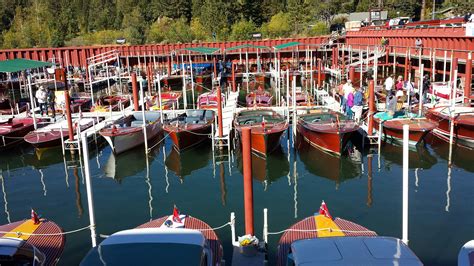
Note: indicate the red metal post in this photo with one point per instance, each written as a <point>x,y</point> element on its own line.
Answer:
<point>248,185</point>
<point>371,107</point>
<point>215,68</point>
<point>149,77</point>
<point>233,76</point>
<point>169,65</point>
<point>343,70</point>
<point>467,83</point>
<point>135,91</point>
<point>60,75</point>
<point>320,82</point>
<point>352,74</point>
<point>219,112</point>
<point>405,76</point>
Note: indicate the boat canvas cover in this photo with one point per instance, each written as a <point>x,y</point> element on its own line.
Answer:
<point>353,251</point>
<point>149,246</point>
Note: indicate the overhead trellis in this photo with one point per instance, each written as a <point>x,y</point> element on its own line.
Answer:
<point>19,64</point>
<point>287,45</point>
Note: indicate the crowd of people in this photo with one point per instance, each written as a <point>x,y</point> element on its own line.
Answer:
<point>351,99</point>
<point>46,99</point>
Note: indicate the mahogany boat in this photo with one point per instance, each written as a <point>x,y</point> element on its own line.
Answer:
<point>259,98</point>
<point>7,108</point>
<point>323,240</point>
<point>31,242</point>
<point>8,101</point>
<point>326,130</point>
<point>463,123</point>
<point>171,240</point>
<point>267,129</point>
<point>190,129</point>
<point>208,100</point>
<point>127,133</point>
<point>203,81</point>
<point>50,135</point>
<point>169,100</point>
<point>14,129</point>
<point>116,103</point>
<point>393,126</point>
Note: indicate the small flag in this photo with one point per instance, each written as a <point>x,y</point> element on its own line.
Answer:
<point>323,210</point>
<point>34,217</point>
<point>263,122</point>
<point>176,218</point>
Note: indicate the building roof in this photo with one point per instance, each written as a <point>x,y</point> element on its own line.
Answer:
<point>364,16</point>
<point>16,65</point>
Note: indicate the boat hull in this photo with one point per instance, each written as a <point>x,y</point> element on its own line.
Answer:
<point>264,142</point>
<point>187,136</point>
<point>122,142</point>
<point>12,133</point>
<point>333,143</point>
<point>393,129</point>
<point>463,126</point>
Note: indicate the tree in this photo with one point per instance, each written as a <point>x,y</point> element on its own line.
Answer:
<point>320,28</point>
<point>199,31</point>
<point>279,26</point>
<point>460,7</point>
<point>134,27</point>
<point>214,17</point>
<point>251,10</point>
<point>242,30</point>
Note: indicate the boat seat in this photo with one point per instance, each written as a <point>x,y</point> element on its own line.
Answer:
<point>136,123</point>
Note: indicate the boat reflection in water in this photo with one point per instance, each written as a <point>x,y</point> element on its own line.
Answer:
<point>268,169</point>
<point>418,157</point>
<point>337,168</point>
<point>185,163</point>
<point>461,155</point>
<point>129,163</point>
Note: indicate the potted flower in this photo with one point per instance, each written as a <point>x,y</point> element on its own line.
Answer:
<point>248,245</point>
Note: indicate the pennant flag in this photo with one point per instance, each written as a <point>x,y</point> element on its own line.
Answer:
<point>176,215</point>
<point>263,122</point>
<point>323,210</point>
<point>34,217</point>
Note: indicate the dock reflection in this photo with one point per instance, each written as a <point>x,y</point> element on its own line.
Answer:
<point>268,169</point>
<point>419,156</point>
<point>185,163</point>
<point>461,155</point>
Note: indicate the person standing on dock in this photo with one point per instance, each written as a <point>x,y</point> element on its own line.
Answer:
<point>51,102</point>
<point>358,104</point>
<point>389,84</point>
<point>340,92</point>
<point>41,95</point>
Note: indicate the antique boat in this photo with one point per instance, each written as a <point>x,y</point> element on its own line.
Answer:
<point>10,102</point>
<point>127,133</point>
<point>14,129</point>
<point>463,123</point>
<point>171,240</point>
<point>327,130</point>
<point>31,242</point>
<point>169,100</point>
<point>110,102</point>
<point>208,100</point>
<point>393,126</point>
<point>322,240</point>
<point>267,129</point>
<point>50,135</point>
<point>190,129</point>
<point>259,98</point>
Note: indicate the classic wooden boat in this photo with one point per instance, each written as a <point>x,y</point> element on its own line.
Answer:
<point>169,100</point>
<point>50,135</point>
<point>31,242</point>
<point>326,130</point>
<point>463,123</point>
<point>208,100</point>
<point>322,240</point>
<point>10,98</point>
<point>116,103</point>
<point>8,108</point>
<point>127,133</point>
<point>190,129</point>
<point>14,129</point>
<point>203,81</point>
<point>393,126</point>
<point>267,129</point>
<point>171,240</point>
<point>259,98</point>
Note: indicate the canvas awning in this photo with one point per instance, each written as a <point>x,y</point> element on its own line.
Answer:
<point>287,45</point>
<point>202,50</point>
<point>247,46</point>
<point>19,64</point>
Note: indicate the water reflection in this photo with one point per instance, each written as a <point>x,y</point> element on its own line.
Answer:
<point>419,156</point>
<point>185,163</point>
<point>461,155</point>
<point>269,169</point>
<point>127,164</point>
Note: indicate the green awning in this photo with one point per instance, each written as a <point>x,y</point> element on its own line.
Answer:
<point>202,50</point>
<point>287,45</point>
<point>243,46</point>
<point>16,65</point>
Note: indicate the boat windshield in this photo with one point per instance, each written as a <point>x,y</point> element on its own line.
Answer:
<point>145,254</point>
<point>18,252</point>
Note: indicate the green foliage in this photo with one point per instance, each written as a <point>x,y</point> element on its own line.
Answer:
<point>214,16</point>
<point>460,7</point>
<point>167,29</point>
<point>242,30</point>
<point>320,28</point>
<point>96,38</point>
<point>199,31</point>
<point>134,27</point>
<point>279,26</point>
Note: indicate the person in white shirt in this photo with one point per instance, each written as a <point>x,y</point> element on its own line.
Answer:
<point>389,84</point>
<point>347,88</point>
<point>41,95</point>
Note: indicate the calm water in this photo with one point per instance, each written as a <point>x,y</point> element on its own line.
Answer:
<point>290,184</point>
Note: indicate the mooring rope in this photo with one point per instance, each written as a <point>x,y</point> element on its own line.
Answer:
<point>158,143</point>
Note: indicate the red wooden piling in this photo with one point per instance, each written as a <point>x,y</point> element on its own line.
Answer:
<point>319,73</point>
<point>233,76</point>
<point>467,84</point>
<point>215,68</point>
<point>405,76</point>
<point>169,65</point>
<point>371,107</point>
<point>352,74</point>
<point>219,112</point>
<point>149,77</point>
<point>248,185</point>
<point>60,75</point>
<point>135,91</point>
